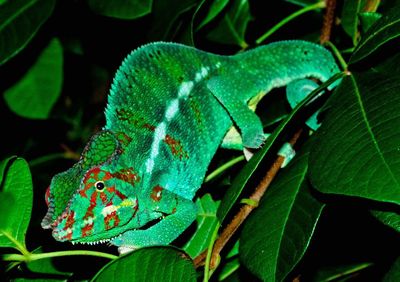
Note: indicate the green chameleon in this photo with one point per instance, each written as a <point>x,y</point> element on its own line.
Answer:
<point>169,108</point>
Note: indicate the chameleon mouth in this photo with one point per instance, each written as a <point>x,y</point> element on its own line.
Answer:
<point>101,241</point>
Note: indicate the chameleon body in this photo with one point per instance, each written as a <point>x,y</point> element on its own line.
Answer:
<point>169,108</point>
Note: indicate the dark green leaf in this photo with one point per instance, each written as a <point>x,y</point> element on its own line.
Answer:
<point>121,9</point>
<point>349,20</point>
<point>385,29</point>
<point>206,223</point>
<point>3,166</point>
<point>393,275</point>
<point>214,9</point>
<point>340,272</point>
<point>357,150</point>
<point>389,218</point>
<point>367,19</point>
<point>231,29</point>
<point>17,186</point>
<point>37,91</point>
<point>149,264</point>
<point>228,269</point>
<point>278,232</point>
<point>166,15</point>
<point>20,20</point>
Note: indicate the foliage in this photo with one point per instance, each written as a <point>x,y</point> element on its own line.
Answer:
<point>332,214</point>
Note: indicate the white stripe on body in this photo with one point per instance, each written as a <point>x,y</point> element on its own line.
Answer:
<point>171,111</point>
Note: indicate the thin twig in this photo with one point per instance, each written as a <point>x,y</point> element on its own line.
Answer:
<point>328,21</point>
<point>245,210</point>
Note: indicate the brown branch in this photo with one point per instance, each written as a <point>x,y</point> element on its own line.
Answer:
<point>328,21</point>
<point>245,210</point>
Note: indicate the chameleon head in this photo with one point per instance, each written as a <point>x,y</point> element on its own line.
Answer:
<point>93,197</point>
<point>100,208</point>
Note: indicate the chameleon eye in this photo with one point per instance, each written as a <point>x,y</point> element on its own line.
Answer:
<point>99,186</point>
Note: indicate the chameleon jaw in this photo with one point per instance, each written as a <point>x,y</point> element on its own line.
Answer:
<point>101,241</point>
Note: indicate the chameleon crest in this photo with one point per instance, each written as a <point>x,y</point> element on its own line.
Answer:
<point>169,109</point>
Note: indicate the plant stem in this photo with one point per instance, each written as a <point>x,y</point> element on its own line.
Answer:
<point>342,62</point>
<point>209,254</point>
<point>315,6</point>
<point>18,245</point>
<point>31,257</point>
<point>243,213</point>
<point>223,167</point>
<point>328,21</point>
<point>247,209</point>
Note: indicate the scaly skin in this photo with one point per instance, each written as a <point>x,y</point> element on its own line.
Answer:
<point>168,111</point>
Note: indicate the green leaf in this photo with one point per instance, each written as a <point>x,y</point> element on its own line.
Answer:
<point>17,186</point>
<point>3,166</point>
<point>389,218</point>
<point>278,232</point>
<point>228,269</point>
<point>34,95</point>
<point>121,9</point>
<point>149,264</point>
<point>231,29</point>
<point>349,18</point>
<point>339,272</point>
<point>384,30</point>
<point>393,275</point>
<point>20,21</point>
<point>206,223</point>
<point>166,15</point>
<point>357,150</point>
<point>367,19</point>
<point>215,8</point>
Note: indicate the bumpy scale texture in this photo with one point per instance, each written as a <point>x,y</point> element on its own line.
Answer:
<point>169,109</point>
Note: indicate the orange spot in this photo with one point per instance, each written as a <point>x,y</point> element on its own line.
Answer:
<point>176,147</point>
<point>127,175</point>
<point>156,194</point>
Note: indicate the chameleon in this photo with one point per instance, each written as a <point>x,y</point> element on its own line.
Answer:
<point>170,107</point>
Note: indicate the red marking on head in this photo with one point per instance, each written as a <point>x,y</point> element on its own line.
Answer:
<point>70,220</point>
<point>118,193</point>
<point>156,194</point>
<point>87,230</point>
<point>94,174</point>
<point>67,237</point>
<point>89,212</point>
<point>47,195</point>
<point>176,147</point>
<point>112,217</point>
<point>103,198</point>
